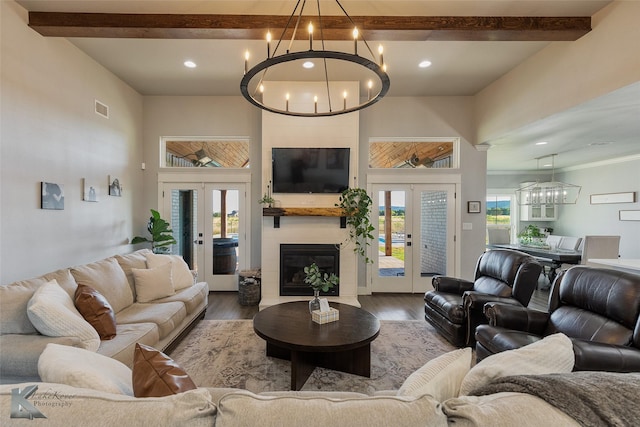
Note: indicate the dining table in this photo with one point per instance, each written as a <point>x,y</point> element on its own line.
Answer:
<point>553,257</point>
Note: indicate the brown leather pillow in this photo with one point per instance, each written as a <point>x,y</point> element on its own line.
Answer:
<point>96,310</point>
<point>155,374</point>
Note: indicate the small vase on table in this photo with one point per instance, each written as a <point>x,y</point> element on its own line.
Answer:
<point>314,304</point>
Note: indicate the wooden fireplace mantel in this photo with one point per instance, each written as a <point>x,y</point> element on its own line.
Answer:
<point>276,213</point>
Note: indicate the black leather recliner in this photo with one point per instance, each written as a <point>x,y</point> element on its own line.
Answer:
<point>599,309</point>
<point>455,306</point>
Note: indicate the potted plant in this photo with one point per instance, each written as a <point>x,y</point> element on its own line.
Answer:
<point>267,200</point>
<point>356,205</point>
<point>161,234</point>
<point>318,281</point>
<point>531,235</point>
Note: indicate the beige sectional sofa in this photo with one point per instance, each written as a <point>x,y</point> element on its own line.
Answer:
<point>158,323</point>
<point>439,394</point>
<point>208,407</point>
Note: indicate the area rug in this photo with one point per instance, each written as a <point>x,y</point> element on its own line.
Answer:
<point>228,353</point>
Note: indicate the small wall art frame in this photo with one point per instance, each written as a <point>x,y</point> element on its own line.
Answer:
<point>626,197</point>
<point>473,206</point>
<point>115,186</point>
<point>90,191</point>
<point>630,215</point>
<point>51,195</point>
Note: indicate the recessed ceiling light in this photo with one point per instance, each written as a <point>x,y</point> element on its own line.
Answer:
<point>542,143</point>
<point>308,64</point>
<point>424,64</point>
<point>190,64</point>
<point>547,165</point>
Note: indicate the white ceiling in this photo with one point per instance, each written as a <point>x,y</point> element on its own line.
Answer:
<point>154,67</point>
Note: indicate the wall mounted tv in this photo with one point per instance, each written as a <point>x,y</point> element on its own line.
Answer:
<point>310,170</point>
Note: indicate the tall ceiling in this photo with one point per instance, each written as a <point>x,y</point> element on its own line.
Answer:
<point>462,63</point>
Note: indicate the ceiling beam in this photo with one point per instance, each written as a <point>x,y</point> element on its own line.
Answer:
<point>389,28</point>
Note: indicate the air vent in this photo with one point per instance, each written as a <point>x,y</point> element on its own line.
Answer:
<point>102,109</point>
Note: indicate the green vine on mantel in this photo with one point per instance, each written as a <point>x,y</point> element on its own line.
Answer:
<point>356,205</point>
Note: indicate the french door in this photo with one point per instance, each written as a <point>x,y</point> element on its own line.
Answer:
<point>209,222</point>
<point>415,229</point>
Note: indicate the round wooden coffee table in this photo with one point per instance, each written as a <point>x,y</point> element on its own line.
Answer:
<point>343,345</point>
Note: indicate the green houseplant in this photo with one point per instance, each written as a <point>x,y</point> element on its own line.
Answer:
<point>356,206</point>
<point>161,234</point>
<point>531,235</point>
<point>318,281</point>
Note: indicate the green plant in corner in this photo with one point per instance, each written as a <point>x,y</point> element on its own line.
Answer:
<point>356,206</point>
<point>161,234</point>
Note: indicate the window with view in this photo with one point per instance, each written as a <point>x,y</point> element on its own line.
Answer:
<point>205,153</point>
<point>499,216</point>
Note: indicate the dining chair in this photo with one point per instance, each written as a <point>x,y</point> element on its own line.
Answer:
<point>607,247</point>
<point>597,247</point>
<point>498,235</point>
<point>553,241</point>
<point>569,243</point>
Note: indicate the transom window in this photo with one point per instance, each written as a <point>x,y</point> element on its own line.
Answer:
<point>205,152</point>
<point>413,153</point>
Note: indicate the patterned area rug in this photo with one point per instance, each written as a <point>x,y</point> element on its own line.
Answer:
<point>228,353</point>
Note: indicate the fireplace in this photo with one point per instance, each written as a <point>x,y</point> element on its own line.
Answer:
<point>293,259</point>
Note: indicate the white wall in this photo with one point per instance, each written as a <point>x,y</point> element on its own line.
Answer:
<point>565,74</point>
<point>583,218</point>
<point>51,133</point>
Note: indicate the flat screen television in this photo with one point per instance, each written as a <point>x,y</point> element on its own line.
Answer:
<point>310,170</point>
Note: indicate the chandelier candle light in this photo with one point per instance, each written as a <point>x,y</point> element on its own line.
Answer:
<point>254,83</point>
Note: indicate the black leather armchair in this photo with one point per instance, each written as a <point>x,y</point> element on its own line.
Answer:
<point>455,306</point>
<point>599,309</point>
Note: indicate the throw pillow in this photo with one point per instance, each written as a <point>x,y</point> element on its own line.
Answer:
<point>63,364</point>
<point>109,279</point>
<point>52,313</point>
<point>440,377</point>
<point>96,310</point>
<point>155,374</point>
<point>153,283</point>
<point>180,273</point>
<point>552,354</point>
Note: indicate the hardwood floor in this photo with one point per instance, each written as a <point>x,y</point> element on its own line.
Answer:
<point>225,306</point>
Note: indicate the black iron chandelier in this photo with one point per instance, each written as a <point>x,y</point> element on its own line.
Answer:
<point>255,80</point>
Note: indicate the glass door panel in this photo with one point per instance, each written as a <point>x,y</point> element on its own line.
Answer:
<point>391,222</point>
<point>393,259</point>
<point>435,227</point>
<point>225,206</point>
<point>184,211</point>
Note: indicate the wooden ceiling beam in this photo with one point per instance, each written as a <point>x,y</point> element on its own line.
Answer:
<point>248,27</point>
